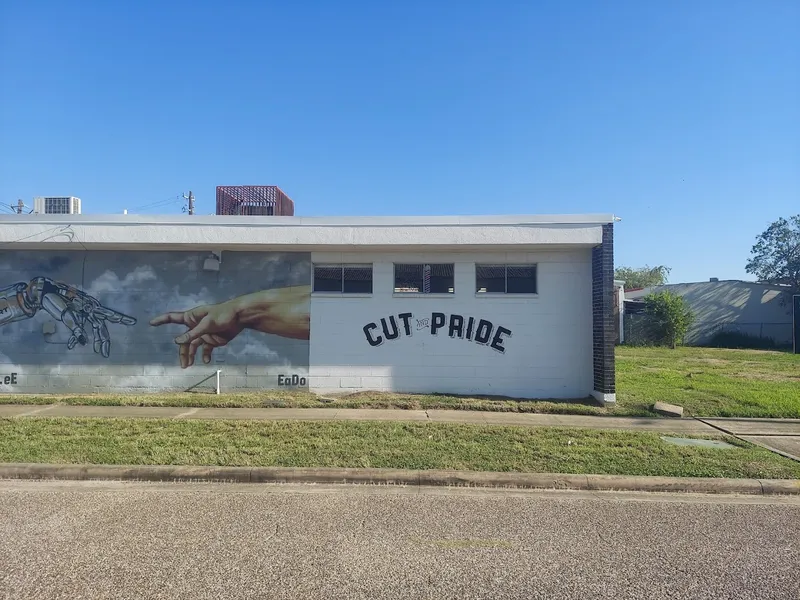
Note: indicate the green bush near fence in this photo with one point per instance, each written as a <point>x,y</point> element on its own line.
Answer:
<point>664,322</point>
<point>670,318</point>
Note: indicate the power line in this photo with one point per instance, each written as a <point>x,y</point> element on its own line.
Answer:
<point>158,203</point>
<point>15,209</point>
<point>155,204</point>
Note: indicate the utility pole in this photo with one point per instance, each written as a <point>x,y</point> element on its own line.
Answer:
<point>20,206</point>
<point>190,198</point>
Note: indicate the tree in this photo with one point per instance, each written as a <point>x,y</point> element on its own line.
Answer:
<point>776,256</point>
<point>642,277</point>
<point>670,317</point>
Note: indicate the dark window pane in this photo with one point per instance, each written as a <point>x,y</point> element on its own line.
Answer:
<point>413,278</point>
<point>490,279</point>
<point>408,278</point>
<point>521,279</point>
<point>441,279</point>
<point>327,278</point>
<point>357,279</point>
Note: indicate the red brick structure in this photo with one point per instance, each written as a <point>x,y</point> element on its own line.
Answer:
<point>262,200</point>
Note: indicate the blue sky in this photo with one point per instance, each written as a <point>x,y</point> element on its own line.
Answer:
<point>681,117</point>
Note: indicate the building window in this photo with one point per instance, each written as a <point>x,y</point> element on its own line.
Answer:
<point>424,279</point>
<point>343,279</point>
<point>505,279</point>
<point>56,206</point>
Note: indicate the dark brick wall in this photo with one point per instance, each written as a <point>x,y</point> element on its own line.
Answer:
<point>603,328</point>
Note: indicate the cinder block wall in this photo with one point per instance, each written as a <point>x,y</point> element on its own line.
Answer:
<point>548,355</point>
<point>35,350</point>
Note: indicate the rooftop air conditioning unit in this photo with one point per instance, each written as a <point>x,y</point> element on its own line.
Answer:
<point>57,205</point>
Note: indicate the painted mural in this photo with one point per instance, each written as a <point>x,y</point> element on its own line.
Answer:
<point>64,303</point>
<point>163,308</point>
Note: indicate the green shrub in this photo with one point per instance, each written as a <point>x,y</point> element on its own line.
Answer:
<point>669,318</point>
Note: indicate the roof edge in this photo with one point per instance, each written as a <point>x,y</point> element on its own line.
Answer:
<point>276,221</point>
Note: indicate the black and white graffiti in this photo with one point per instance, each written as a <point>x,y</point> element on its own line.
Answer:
<point>480,331</point>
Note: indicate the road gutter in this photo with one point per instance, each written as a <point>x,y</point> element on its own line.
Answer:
<point>401,477</point>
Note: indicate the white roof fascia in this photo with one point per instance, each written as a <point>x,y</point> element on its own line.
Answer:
<point>123,231</point>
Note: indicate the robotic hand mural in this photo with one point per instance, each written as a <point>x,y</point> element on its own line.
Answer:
<point>75,309</point>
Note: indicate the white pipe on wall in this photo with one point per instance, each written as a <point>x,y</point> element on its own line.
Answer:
<point>218,372</point>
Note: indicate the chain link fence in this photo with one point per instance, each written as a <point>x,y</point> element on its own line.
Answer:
<point>639,331</point>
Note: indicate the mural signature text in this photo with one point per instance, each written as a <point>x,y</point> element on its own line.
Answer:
<point>10,379</point>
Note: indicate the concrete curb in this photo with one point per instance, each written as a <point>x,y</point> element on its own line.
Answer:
<point>700,485</point>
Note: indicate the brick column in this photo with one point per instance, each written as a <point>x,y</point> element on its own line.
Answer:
<point>603,331</point>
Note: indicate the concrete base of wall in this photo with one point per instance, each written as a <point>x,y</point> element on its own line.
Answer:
<point>605,399</point>
<point>115,379</point>
<point>350,386</point>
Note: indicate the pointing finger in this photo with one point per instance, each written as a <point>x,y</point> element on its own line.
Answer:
<point>170,317</point>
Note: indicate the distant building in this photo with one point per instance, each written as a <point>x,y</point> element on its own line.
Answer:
<point>756,309</point>
<point>255,200</point>
<point>57,205</point>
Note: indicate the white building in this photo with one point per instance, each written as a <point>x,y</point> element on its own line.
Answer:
<point>507,306</point>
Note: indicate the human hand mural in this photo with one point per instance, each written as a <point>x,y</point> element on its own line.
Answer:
<point>283,312</point>
<point>65,303</point>
<point>209,326</point>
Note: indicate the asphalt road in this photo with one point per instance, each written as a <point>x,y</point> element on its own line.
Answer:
<point>113,540</point>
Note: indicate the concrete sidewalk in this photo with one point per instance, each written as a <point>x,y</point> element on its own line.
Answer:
<point>745,427</point>
<point>781,436</point>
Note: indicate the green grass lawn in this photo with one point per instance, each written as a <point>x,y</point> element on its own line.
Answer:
<point>301,399</point>
<point>375,444</point>
<point>705,381</point>
<point>710,382</point>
